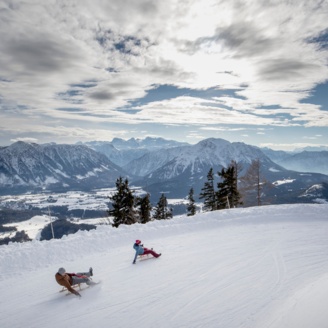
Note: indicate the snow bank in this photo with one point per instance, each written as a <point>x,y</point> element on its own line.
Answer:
<point>33,255</point>
<point>248,268</point>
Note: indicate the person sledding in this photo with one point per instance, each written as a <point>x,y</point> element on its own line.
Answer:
<point>140,250</point>
<point>70,279</point>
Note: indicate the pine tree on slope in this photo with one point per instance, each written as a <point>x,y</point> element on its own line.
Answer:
<point>191,206</point>
<point>144,209</point>
<point>208,193</point>
<point>239,167</point>
<point>123,204</point>
<point>162,211</point>
<point>227,188</point>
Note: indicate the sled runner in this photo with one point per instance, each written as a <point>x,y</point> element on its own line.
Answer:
<point>64,289</point>
<point>144,257</point>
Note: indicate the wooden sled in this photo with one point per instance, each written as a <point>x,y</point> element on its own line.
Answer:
<point>64,289</point>
<point>144,257</point>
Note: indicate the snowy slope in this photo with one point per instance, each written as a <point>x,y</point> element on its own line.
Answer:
<point>307,161</point>
<point>153,160</point>
<point>318,193</point>
<point>257,267</point>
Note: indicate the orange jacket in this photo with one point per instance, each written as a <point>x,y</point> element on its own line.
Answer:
<point>66,281</point>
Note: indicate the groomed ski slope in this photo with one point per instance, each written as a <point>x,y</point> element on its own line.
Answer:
<point>257,267</point>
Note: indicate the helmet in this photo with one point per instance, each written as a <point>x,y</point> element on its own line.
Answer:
<point>138,242</point>
<point>61,271</point>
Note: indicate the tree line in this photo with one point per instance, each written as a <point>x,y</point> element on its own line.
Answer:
<point>129,209</point>
<point>232,191</point>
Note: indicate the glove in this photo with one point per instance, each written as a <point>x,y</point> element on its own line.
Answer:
<point>134,262</point>
<point>141,245</point>
<point>78,295</point>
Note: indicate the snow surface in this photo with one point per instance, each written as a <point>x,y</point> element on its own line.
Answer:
<point>256,267</point>
<point>272,169</point>
<point>280,182</point>
<point>320,201</point>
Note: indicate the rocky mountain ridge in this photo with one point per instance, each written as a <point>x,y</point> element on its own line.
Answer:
<point>307,161</point>
<point>30,166</point>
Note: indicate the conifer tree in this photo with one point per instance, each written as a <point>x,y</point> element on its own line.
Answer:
<point>162,212</point>
<point>191,206</point>
<point>227,189</point>
<point>144,209</point>
<point>123,204</point>
<point>239,167</point>
<point>208,193</point>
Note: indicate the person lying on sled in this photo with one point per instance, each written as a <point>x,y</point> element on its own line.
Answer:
<point>140,250</point>
<point>69,279</point>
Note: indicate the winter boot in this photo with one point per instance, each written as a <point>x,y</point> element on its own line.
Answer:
<point>91,272</point>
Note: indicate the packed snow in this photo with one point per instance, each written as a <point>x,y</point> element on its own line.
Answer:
<point>255,267</point>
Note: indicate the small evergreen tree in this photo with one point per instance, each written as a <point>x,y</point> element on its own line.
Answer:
<point>123,204</point>
<point>191,206</point>
<point>208,193</point>
<point>162,212</point>
<point>144,209</point>
<point>117,201</point>
<point>239,167</point>
<point>227,189</point>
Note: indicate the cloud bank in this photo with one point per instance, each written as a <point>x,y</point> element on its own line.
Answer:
<point>90,61</point>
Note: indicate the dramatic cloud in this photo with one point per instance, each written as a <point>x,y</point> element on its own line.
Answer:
<point>97,62</point>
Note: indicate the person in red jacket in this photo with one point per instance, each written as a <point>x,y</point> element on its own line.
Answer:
<point>69,279</point>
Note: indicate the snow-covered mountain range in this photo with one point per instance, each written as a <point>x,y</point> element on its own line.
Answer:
<point>31,166</point>
<point>276,155</point>
<point>190,167</point>
<point>121,151</point>
<point>174,170</point>
<point>195,161</point>
<point>117,156</point>
<point>148,143</point>
<point>307,161</point>
<point>310,148</point>
<point>153,160</point>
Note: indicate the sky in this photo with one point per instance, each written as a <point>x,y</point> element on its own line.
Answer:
<point>253,71</point>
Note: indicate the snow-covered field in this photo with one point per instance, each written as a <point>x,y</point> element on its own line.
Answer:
<point>95,200</point>
<point>32,226</point>
<point>256,267</point>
